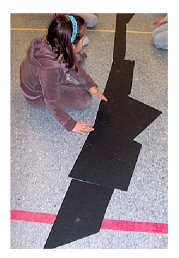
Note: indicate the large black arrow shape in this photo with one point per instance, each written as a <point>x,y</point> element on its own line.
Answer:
<point>84,206</point>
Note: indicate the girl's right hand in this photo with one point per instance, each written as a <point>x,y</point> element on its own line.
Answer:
<point>82,127</point>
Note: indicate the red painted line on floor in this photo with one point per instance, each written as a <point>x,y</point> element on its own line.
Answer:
<point>134,226</point>
<point>33,216</point>
<point>120,225</point>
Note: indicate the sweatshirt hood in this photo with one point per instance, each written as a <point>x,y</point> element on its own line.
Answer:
<point>41,54</point>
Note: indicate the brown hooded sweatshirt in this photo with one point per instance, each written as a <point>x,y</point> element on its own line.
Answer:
<point>41,76</point>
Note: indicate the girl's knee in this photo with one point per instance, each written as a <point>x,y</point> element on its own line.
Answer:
<point>85,102</point>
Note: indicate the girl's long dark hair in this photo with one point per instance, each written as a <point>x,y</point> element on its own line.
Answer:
<point>59,37</point>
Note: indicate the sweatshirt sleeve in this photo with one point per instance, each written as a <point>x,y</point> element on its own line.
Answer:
<point>50,80</point>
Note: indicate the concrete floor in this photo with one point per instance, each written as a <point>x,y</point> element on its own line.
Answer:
<point>43,152</point>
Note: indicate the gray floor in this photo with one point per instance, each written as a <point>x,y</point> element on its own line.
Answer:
<point>43,153</point>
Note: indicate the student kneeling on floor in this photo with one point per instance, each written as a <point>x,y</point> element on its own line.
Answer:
<point>160,34</point>
<point>43,73</point>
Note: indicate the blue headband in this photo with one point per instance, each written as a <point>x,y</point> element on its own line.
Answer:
<point>74,26</point>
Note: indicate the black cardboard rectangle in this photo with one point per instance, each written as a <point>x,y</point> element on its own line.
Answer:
<point>119,83</point>
<point>106,159</point>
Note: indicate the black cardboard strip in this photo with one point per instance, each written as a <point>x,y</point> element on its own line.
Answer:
<point>106,159</point>
<point>120,42</point>
<point>81,213</point>
<point>120,35</point>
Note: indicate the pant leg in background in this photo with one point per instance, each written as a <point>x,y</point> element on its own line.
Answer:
<point>90,18</point>
<point>160,36</point>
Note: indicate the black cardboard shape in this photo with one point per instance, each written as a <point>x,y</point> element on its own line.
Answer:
<point>106,159</point>
<point>127,116</point>
<point>120,35</point>
<point>109,154</point>
<point>119,82</point>
<point>81,213</point>
<point>120,42</point>
<point>123,18</point>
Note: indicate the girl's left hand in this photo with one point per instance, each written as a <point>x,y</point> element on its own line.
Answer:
<point>94,91</point>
